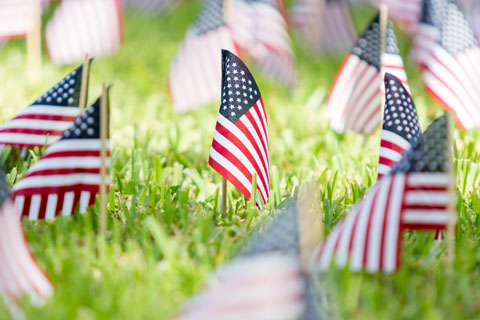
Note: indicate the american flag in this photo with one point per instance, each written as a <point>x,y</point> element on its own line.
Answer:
<point>45,120</point>
<point>240,142</point>
<point>400,125</point>
<point>67,174</point>
<point>87,26</point>
<point>267,282</point>
<point>413,196</point>
<point>405,13</point>
<point>20,274</point>
<point>260,29</point>
<point>16,18</point>
<point>448,53</point>
<point>355,99</point>
<point>325,27</point>
<point>194,77</point>
<point>149,5</point>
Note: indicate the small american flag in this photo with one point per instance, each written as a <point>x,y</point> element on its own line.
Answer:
<point>194,77</point>
<point>44,121</point>
<point>400,125</point>
<point>260,29</point>
<point>355,99</point>
<point>67,174</point>
<point>325,27</point>
<point>267,282</point>
<point>20,274</point>
<point>16,18</point>
<point>448,53</point>
<point>413,196</point>
<point>87,26</point>
<point>240,142</point>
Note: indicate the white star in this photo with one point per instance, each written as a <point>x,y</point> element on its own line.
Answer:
<point>232,114</point>
<point>230,92</point>
<point>231,99</point>
<point>255,91</point>
<point>244,94</point>
<point>249,82</point>
<point>243,79</point>
<point>234,64</point>
<point>224,107</point>
<point>237,86</point>
<point>235,71</point>
<point>235,78</point>
<point>243,87</point>
<point>251,97</point>
<point>224,100</point>
<point>239,108</point>
<point>238,99</point>
<point>245,101</point>
<point>242,72</point>
<point>250,89</point>
<point>229,85</point>
<point>231,107</point>
<point>237,92</point>
<point>228,71</point>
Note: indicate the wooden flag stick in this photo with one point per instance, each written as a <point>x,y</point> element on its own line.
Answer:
<point>452,207</point>
<point>34,44</point>
<point>104,103</point>
<point>84,87</point>
<point>224,196</point>
<point>227,10</point>
<point>383,28</point>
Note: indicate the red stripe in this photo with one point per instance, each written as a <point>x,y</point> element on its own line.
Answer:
<point>26,203</point>
<point>43,207</point>
<point>74,153</point>
<point>62,171</point>
<point>425,206</point>
<point>429,226</point>
<point>60,199</point>
<point>46,117</point>
<point>228,176</point>
<point>392,146</point>
<point>425,188</point>
<point>33,131</point>
<point>386,161</point>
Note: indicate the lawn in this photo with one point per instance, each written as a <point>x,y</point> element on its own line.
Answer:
<point>165,229</point>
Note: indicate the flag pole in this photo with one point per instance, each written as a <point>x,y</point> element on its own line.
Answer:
<point>83,88</point>
<point>383,28</point>
<point>451,222</point>
<point>104,103</point>
<point>34,44</point>
<point>224,195</point>
<point>227,10</point>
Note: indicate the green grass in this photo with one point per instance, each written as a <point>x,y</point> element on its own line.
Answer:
<point>165,229</point>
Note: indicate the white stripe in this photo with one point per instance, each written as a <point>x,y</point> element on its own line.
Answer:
<point>425,216</point>
<point>383,169</point>
<point>39,109</point>
<point>84,199</point>
<point>426,197</point>
<point>76,145</point>
<point>395,138</point>
<point>432,179</point>
<point>26,138</point>
<point>34,207</point>
<point>57,181</point>
<point>51,206</point>
<point>390,154</point>
<point>68,203</point>
<point>393,224</point>
<point>221,160</point>
<point>68,163</point>
<point>36,124</point>
<point>19,202</point>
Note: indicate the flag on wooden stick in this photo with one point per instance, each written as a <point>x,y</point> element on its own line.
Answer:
<point>449,55</point>
<point>355,99</point>
<point>400,125</point>
<point>413,196</point>
<point>87,26</point>
<point>67,174</point>
<point>16,18</point>
<point>240,141</point>
<point>20,274</point>
<point>44,121</point>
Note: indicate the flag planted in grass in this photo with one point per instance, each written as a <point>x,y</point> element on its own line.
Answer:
<point>413,196</point>
<point>194,77</point>
<point>16,18</point>
<point>67,174</point>
<point>400,125</point>
<point>448,53</point>
<point>45,120</point>
<point>20,274</point>
<point>240,141</point>
<point>87,26</point>
<point>355,99</point>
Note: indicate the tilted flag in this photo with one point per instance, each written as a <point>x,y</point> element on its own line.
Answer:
<point>260,29</point>
<point>194,77</point>
<point>20,274</point>
<point>67,174</point>
<point>400,125</point>
<point>16,18</point>
<point>325,27</point>
<point>87,26</point>
<point>448,53</point>
<point>267,282</point>
<point>413,196</point>
<point>355,99</point>
<point>405,13</point>
<point>240,141</point>
<point>44,121</point>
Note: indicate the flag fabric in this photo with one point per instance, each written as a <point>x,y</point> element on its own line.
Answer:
<point>87,26</point>
<point>414,196</point>
<point>260,30</point>
<point>325,27</point>
<point>400,125</point>
<point>405,13</point>
<point>16,18</point>
<point>240,141</point>
<point>355,99</point>
<point>266,282</point>
<point>194,77</point>
<point>67,174</point>
<point>44,121</point>
<point>449,56</point>
<point>20,274</point>
<point>149,5</point>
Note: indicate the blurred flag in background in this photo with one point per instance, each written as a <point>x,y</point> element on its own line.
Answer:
<point>16,18</point>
